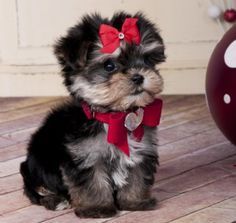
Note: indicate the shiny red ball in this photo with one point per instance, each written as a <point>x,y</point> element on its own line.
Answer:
<point>230,15</point>
<point>221,84</point>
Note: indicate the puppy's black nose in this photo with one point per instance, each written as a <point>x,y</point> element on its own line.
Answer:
<point>137,79</point>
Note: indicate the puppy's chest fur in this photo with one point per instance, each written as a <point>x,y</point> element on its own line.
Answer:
<point>97,153</point>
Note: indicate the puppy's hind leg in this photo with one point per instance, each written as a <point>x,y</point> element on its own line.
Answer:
<point>55,202</point>
<point>29,184</point>
<point>39,194</point>
<point>51,200</point>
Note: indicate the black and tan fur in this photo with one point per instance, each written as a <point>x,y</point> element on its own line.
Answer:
<point>69,161</point>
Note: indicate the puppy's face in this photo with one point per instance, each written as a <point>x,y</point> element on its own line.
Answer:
<point>119,80</point>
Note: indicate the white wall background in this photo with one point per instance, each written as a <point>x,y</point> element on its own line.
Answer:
<point>30,27</point>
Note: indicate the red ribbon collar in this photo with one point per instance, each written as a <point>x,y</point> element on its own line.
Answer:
<point>117,132</point>
<point>111,37</point>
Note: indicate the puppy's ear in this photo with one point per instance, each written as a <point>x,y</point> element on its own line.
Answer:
<point>72,50</point>
<point>151,39</point>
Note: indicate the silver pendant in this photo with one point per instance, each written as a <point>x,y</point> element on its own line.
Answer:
<point>133,120</point>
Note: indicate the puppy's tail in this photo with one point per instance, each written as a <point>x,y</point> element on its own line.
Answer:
<point>29,188</point>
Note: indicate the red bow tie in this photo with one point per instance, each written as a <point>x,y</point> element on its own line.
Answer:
<point>111,37</point>
<point>117,132</point>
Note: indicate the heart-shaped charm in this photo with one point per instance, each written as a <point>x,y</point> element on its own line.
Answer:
<point>133,120</point>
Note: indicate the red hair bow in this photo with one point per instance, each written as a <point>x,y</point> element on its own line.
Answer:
<point>111,37</point>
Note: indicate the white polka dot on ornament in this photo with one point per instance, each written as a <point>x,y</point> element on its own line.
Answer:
<point>227,98</point>
<point>214,11</point>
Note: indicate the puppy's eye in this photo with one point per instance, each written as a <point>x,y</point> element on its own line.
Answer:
<point>109,66</point>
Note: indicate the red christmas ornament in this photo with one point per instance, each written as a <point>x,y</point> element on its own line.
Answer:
<point>221,85</point>
<point>230,15</point>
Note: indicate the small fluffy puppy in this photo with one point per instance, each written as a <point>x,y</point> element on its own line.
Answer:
<point>97,153</point>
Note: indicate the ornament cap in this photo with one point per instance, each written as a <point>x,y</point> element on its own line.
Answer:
<point>230,15</point>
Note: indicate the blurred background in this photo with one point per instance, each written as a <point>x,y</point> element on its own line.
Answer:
<point>196,180</point>
<point>30,27</point>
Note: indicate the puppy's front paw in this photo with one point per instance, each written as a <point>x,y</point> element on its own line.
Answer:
<point>143,205</point>
<point>96,212</point>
